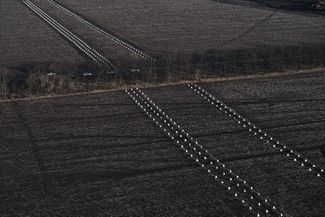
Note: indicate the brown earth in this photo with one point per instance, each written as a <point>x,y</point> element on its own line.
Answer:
<point>99,155</point>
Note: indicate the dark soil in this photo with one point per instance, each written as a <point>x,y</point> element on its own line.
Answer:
<point>99,155</point>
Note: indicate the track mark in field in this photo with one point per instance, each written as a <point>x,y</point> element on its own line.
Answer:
<point>96,136</point>
<point>253,156</point>
<point>83,118</point>
<point>296,125</point>
<point>35,150</point>
<point>266,128</point>
<point>322,149</point>
<point>259,132</point>
<point>264,5</point>
<point>82,105</point>
<point>243,34</point>
<point>243,3</point>
<point>275,101</point>
<point>121,116</point>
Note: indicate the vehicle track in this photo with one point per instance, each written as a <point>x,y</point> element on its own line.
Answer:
<point>35,150</point>
<point>135,50</point>
<point>234,185</point>
<point>251,29</point>
<point>259,132</point>
<point>79,43</point>
<point>43,173</point>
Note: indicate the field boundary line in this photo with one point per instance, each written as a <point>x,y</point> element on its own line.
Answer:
<point>166,84</point>
<point>238,188</point>
<point>257,131</point>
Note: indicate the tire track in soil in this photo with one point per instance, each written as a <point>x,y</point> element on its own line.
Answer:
<point>120,175</point>
<point>274,101</point>
<point>35,150</point>
<point>251,29</point>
